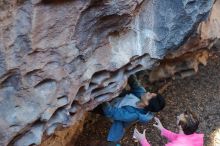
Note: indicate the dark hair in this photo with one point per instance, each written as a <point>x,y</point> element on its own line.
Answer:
<point>190,124</point>
<point>156,104</point>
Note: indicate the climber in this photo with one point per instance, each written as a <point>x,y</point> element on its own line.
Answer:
<point>135,105</point>
<point>187,123</point>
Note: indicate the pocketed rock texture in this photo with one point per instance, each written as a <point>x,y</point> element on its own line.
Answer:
<point>60,58</point>
<point>200,93</point>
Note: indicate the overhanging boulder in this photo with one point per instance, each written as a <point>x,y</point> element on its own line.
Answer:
<point>61,58</point>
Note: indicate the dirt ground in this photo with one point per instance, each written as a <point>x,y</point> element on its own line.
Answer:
<point>200,93</point>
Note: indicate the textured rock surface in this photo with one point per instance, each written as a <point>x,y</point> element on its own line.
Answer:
<point>60,58</point>
<point>185,61</point>
<point>66,136</point>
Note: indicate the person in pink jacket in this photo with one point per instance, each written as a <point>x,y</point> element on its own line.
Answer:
<point>187,123</point>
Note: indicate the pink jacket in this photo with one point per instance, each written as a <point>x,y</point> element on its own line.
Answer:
<point>179,139</point>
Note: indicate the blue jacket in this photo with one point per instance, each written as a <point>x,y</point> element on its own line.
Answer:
<point>125,115</point>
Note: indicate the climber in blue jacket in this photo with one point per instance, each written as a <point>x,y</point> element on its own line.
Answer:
<point>137,105</point>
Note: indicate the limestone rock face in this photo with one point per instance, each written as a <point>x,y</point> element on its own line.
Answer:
<point>60,58</point>
<point>185,61</point>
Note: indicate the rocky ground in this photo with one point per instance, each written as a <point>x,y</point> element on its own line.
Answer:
<point>200,93</point>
